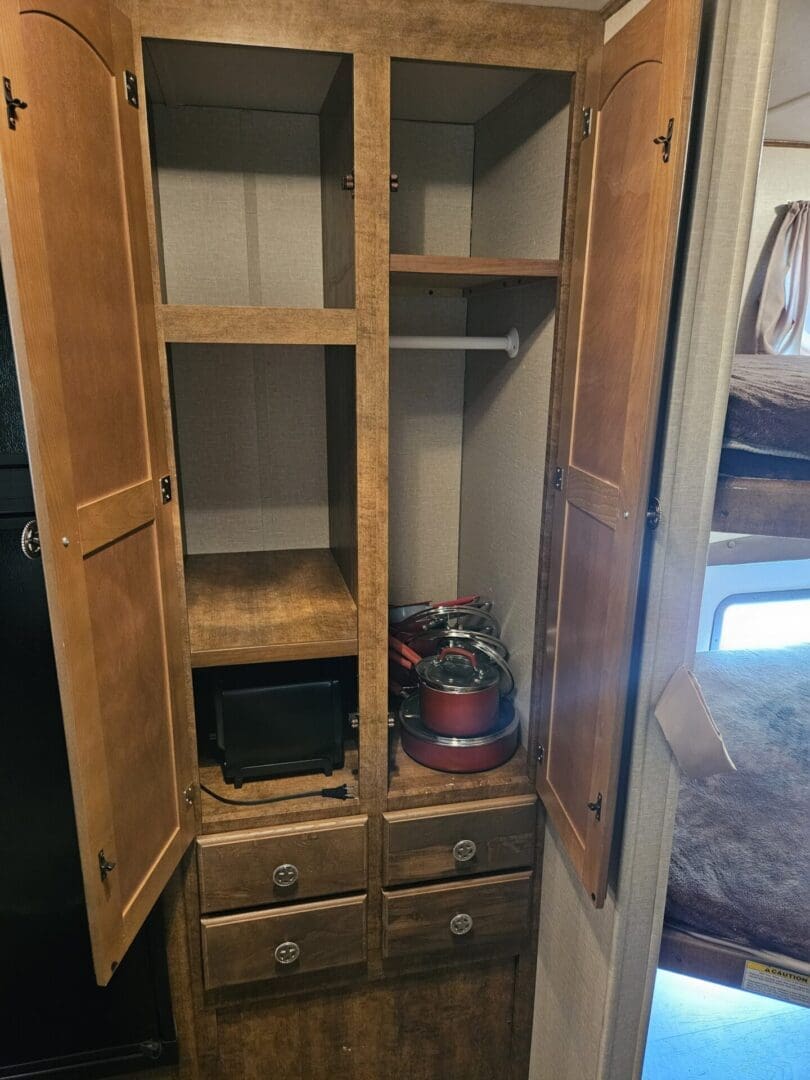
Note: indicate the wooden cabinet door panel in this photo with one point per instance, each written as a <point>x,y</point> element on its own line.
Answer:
<point>76,267</point>
<point>628,203</point>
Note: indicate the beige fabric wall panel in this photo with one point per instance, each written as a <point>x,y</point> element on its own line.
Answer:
<point>251,439</point>
<point>240,206</point>
<point>504,449</point>
<point>427,405</point>
<point>784,176</point>
<point>519,179</point>
<point>430,214</point>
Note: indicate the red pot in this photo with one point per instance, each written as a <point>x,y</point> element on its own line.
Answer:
<point>458,755</point>
<point>459,691</point>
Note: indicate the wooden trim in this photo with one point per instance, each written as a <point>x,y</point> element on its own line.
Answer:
<point>611,7</point>
<point>456,31</point>
<point>755,549</point>
<point>109,518</point>
<point>197,324</point>
<point>463,272</point>
<point>705,957</point>
<point>787,144</point>
<point>748,504</point>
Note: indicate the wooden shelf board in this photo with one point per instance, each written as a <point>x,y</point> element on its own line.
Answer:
<point>197,324</point>
<point>222,817</point>
<point>250,607</point>
<point>463,272</point>
<point>411,784</point>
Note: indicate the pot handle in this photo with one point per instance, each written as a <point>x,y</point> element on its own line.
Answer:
<point>454,650</point>
<point>405,651</point>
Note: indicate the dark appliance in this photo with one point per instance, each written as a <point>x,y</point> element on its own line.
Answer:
<point>265,731</point>
<point>56,1020</point>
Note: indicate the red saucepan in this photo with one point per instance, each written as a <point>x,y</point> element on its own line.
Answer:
<point>458,755</point>
<point>459,691</point>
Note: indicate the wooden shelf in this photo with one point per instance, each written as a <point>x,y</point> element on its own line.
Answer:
<point>222,817</point>
<point>411,784</point>
<point>250,607</point>
<point>196,324</point>
<point>462,272</point>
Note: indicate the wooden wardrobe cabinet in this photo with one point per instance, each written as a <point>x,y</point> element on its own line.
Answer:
<point>215,215</point>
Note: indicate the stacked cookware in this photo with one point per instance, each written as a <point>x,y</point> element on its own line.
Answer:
<point>449,666</point>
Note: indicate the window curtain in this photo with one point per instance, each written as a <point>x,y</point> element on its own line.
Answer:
<point>783,320</point>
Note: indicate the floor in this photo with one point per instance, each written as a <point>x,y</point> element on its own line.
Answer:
<point>701,1031</point>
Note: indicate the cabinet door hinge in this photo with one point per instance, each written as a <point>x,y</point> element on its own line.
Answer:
<point>587,121</point>
<point>559,478</point>
<point>165,489</point>
<point>105,867</point>
<point>188,794</point>
<point>665,141</point>
<point>653,515</point>
<point>596,807</point>
<point>131,88</point>
<point>13,104</point>
<point>541,754</point>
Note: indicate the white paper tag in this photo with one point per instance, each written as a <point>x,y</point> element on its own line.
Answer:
<point>777,982</point>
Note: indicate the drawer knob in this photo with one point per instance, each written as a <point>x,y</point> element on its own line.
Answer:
<point>464,850</point>
<point>285,875</point>
<point>461,924</point>
<point>287,952</point>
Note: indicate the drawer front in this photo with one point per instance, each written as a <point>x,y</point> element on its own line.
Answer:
<point>295,862</point>
<point>457,917</point>
<point>455,841</point>
<point>274,944</point>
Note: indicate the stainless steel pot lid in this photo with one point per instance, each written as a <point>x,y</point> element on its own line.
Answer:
<point>458,671</point>
<point>411,719</point>
<point>457,617</point>
<point>432,640</point>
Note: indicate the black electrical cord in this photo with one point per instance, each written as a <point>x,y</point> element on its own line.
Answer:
<point>341,792</point>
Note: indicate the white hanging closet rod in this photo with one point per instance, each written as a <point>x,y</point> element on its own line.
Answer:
<point>510,343</point>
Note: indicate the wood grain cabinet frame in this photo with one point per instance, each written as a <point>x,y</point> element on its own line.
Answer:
<point>450,842</point>
<point>267,866</point>
<point>457,918</point>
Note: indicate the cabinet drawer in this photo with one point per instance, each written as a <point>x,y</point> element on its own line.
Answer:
<point>258,945</point>
<point>457,917</point>
<point>293,862</point>
<point>454,841</point>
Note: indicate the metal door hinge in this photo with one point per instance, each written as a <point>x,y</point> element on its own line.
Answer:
<point>165,489</point>
<point>541,754</point>
<point>13,104</point>
<point>559,478</point>
<point>665,141</point>
<point>131,88</point>
<point>653,515</point>
<point>393,181</point>
<point>596,807</point>
<point>105,867</point>
<point>354,720</point>
<point>188,794</point>
<point>587,121</point>
<point>347,183</point>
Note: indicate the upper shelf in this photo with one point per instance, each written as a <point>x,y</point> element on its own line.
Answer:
<point>466,272</point>
<point>250,607</point>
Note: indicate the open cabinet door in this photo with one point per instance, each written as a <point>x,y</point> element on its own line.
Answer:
<point>76,267</point>
<point>631,178</point>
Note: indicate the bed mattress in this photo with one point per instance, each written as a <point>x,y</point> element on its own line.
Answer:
<point>768,420</point>
<point>740,866</point>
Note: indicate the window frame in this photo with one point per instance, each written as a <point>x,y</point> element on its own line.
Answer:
<point>749,598</point>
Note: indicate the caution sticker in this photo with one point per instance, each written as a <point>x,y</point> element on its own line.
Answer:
<point>777,982</point>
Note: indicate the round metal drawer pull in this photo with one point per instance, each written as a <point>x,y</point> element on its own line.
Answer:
<point>287,952</point>
<point>464,850</point>
<point>461,924</point>
<point>285,875</point>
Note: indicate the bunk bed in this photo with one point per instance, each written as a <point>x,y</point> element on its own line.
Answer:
<point>764,481</point>
<point>740,866</point>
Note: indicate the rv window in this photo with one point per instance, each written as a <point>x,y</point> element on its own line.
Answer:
<point>767,620</point>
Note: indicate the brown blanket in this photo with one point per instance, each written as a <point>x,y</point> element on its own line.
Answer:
<point>741,855</point>
<point>769,406</point>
